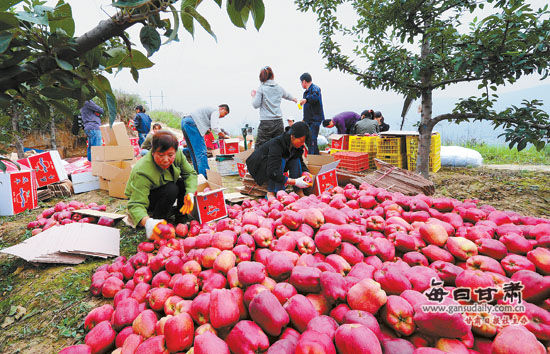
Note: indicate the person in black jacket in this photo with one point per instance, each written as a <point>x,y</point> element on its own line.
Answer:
<point>280,154</point>
<point>384,127</point>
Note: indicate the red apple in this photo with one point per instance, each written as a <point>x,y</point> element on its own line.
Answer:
<point>179,332</point>
<point>208,342</point>
<point>247,337</point>
<point>145,323</point>
<point>356,338</point>
<point>366,295</point>
<point>224,309</point>
<point>101,338</point>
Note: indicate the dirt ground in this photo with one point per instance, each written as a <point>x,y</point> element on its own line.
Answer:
<point>55,298</point>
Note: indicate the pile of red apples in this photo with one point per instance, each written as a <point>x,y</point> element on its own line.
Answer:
<point>63,213</point>
<point>343,272</point>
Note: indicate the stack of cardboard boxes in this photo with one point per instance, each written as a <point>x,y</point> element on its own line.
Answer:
<point>113,162</point>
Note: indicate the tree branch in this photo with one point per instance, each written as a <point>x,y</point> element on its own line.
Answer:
<point>105,30</point>
<point>460,116</point>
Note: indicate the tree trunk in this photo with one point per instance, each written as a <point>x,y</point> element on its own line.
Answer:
<point>426,125</point>
<point>18,142</point>
<point>53,142</point>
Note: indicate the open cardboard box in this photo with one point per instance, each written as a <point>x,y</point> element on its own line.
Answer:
<point>240,158</point>
<point>229,146</point>
<point>115,134</point>
<point>209,203</point>
<point>323,168</point>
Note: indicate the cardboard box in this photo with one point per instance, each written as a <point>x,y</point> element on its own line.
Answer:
<point>229,146</point>
<point>116,189</point>
<point>103,184</point>
<point>323,168</point>
<point>112,153</point>
<point>18,189</point>
<point>117,170</point>
<point>84,182</point>
<point>240,158</point>
<point>339,141</point>
<point>48,167</point>
<point>115,135</point>
<point>210,205</point>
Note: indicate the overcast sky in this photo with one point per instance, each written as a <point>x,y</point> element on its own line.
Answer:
<point>194,73</point>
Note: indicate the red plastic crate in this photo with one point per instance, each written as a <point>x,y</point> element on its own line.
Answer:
<point>352,161</point>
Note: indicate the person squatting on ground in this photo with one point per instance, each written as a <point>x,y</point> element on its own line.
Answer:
<point>281,154</point>
<point>160,178</point>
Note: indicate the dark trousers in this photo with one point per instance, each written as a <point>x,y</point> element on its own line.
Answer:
<point>294,168</point>
<point>161,199</point>
<point>312,148</point>
<point>267,130</point>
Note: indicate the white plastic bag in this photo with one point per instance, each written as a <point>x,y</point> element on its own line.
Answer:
<point>458,156</point>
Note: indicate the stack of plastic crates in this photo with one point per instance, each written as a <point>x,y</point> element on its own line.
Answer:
<point>368,144</point>
<point>435,152</point>
<point>389,150</point>
<point>352,161</point>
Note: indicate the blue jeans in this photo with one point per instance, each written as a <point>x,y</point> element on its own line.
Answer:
<point>141,138</point>
<point>294,168</point>
<point>196,145</point>
<point>312,148</point>
<point>94,139</point>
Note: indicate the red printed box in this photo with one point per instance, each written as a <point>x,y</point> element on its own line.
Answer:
<point>18,192</point>
<point>324,170</point>
<point>339,141</point>
<point>134,142</point>
<point>229,146</point>
<point>48,167</point>
<point>209,199</point>
<point>242,169</point>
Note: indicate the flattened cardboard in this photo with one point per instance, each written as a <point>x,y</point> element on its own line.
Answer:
<point>84,187</point>
<point>98,213</point>
<point>68,244</point>
<point>242,156</point>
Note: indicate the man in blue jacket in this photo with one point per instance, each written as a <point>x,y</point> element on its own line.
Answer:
<point>142,122</point>
<point>91,120</point>
<point>313,110</point>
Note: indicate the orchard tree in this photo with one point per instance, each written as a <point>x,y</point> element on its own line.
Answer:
<point>42,62</point>
<point>415,47</point>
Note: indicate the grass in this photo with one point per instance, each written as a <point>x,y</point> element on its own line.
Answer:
<point>170,118</point>
<point>501,154</point>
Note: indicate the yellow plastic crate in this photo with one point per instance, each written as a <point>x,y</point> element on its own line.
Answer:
<point>434,163</point>
<point>412,144</point>
<point>363,144</point>
<point>393,159</point>
<point>389,146</point>
<point>334,151</point>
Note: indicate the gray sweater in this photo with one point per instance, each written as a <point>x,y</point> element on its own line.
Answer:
<point>268,100</point>
<point>207,118</point>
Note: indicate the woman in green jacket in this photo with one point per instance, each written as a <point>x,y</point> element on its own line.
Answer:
<point>157,180</point>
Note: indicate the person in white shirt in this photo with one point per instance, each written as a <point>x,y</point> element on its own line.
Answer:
<point>195,125</point>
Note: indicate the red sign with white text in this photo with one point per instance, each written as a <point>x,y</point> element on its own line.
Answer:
<point>326,181</point>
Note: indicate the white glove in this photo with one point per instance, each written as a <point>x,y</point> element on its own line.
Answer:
<point>300,183</point>
<point>151,230</point>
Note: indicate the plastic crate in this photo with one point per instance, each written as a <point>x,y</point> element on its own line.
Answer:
<point>434,163</point>
<point>393,159</point>
<point>412,144</point>
<point>389,146</point>
<point>334,151</point>
<point>363,144</point>
<point>352,161</point>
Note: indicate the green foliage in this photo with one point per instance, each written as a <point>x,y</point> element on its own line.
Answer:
<point>497,154</point>
<point>126,105</point>
<point>42,64</point>
<point>416,47</point>
<point>171,119</point>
